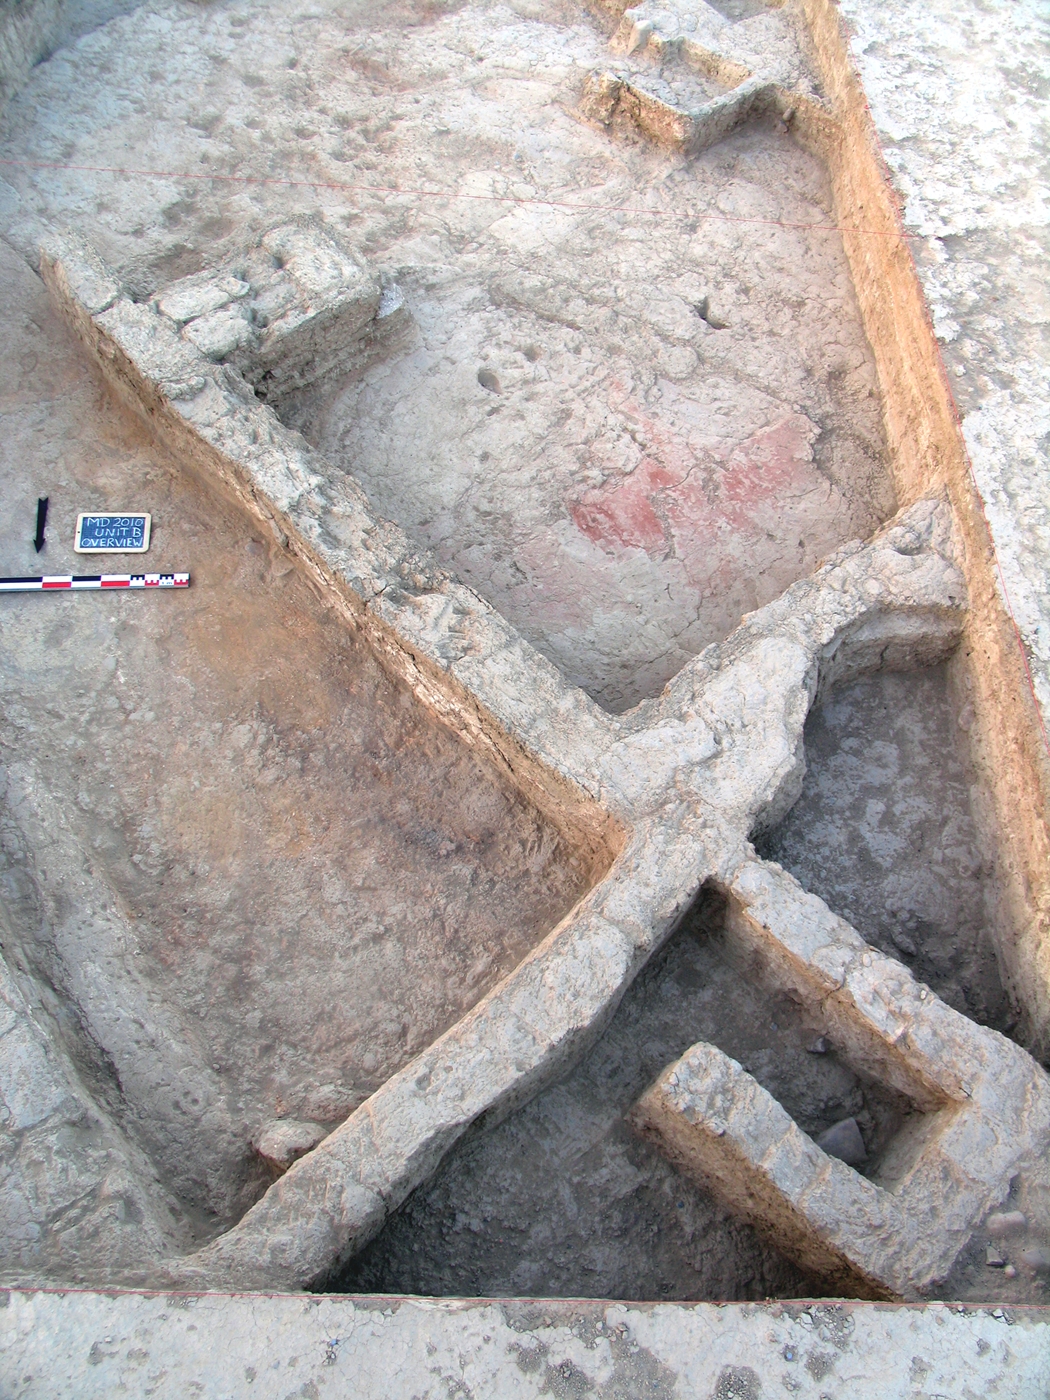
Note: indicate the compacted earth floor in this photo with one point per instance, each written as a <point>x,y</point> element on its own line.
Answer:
<point>637,401</point>
<point>244,873</point>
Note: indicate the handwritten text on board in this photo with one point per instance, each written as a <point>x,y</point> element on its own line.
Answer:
<point>102,534</point>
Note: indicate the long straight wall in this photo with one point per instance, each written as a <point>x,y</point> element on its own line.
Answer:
<point>928,454</point>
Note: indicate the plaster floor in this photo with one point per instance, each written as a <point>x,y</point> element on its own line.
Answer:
<point>305,878</point>
<point>639,401</point>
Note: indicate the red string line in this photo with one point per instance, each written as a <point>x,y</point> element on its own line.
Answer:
<point>538,201</point>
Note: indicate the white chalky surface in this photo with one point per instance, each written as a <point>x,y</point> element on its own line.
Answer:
<point>959,95</point>
<point>91,1347</point>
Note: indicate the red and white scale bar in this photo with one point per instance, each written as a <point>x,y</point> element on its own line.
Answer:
<point>47,583</point>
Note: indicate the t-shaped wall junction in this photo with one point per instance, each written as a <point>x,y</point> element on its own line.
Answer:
<point>674,789</point>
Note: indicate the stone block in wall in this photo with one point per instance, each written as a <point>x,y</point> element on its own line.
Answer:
<point>298,311</point>
<point>609,96</point>
<point>315,309</point>
<point>722,1129</point>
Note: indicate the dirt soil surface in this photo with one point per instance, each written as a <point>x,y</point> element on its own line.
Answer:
<point>639,401</point>
<point>305,878</point>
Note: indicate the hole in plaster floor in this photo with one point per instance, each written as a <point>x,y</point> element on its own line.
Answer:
<point>562,1200</point>
<point>734,10</point>
<point>884,834</point>
<point>247,872</point>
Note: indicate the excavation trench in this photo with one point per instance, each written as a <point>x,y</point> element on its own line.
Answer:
<point>636,394</point>
<point>566,1200</point>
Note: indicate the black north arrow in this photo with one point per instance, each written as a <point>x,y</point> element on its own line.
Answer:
<point>41,521</point>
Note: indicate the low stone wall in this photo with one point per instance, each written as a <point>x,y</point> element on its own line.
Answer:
<point>983,1107</point>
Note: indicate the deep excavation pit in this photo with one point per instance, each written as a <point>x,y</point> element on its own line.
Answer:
<point>247,874</point>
